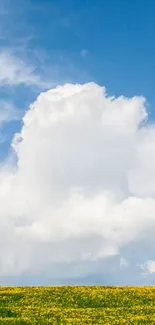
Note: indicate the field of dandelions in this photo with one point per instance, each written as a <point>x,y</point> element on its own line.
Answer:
<point>77,305</point>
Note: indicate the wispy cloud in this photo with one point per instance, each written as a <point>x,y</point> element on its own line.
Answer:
<point>8,112</point>
<point>26,62</point>
<point>84,52</point>
<point>15,71</point>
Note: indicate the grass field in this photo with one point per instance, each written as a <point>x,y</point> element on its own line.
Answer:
<point>77,305</point>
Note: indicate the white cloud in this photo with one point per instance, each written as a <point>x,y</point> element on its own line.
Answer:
<point>83,188</point>
<point>14,71</point>
<point>147,268</point>
<point>151,266</point>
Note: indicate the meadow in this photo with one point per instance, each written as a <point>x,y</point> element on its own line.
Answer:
<point>77,305</point>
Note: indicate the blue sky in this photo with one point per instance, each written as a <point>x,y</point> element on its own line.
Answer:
<point>118,35</point>
<point>48,43</point>
<point>109,42</point>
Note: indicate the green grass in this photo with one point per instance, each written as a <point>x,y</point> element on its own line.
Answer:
<point>77,305</point>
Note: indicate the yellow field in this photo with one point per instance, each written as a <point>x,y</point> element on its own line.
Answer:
<point>77,305</point>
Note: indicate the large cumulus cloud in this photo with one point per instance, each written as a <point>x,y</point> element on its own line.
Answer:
<point>81,190</point>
